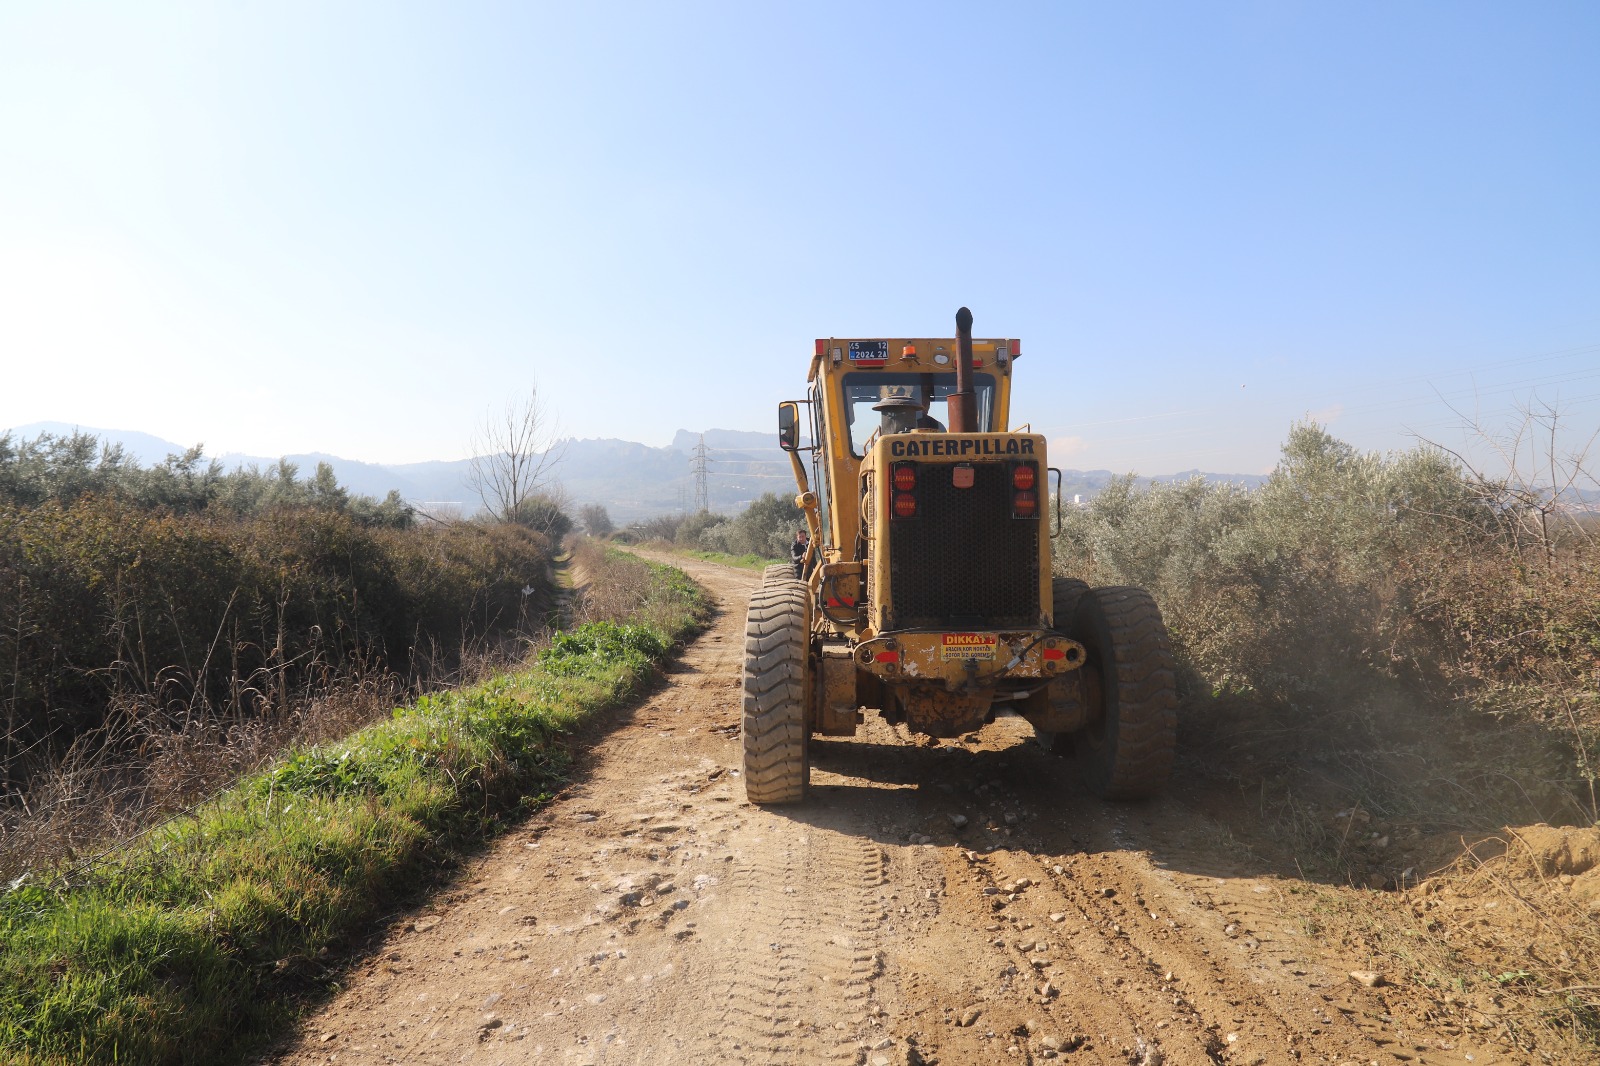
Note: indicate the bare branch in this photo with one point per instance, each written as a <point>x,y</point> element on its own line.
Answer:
<point>1530,450</point>
<point>514,453</point>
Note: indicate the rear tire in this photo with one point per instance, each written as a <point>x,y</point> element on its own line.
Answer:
<point>1127,751</point>
<point>1065,592</point>
<point>777,764</point>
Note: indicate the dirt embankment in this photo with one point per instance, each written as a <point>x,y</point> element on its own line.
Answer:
<point>933,902</point>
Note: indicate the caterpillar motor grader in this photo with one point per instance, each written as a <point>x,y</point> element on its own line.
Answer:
<point>927,592</point>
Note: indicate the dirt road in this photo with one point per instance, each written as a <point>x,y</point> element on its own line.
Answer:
<point>952,903</point>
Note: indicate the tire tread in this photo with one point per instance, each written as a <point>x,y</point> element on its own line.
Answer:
<point>775,733</point>
<point>1141,743</point>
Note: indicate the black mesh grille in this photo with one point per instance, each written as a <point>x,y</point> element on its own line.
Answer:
<point>964,561</point>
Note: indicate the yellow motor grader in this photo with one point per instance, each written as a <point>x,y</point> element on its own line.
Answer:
<point>927,593</point>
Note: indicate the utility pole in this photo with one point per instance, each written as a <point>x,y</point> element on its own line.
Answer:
<point>702,491</point>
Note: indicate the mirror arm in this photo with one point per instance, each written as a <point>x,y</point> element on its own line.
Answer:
<point>1056,532</point>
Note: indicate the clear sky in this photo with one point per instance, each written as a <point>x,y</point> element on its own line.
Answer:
<point>351,227</point>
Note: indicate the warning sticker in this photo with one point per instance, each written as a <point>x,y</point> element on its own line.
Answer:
<point>969,646</point>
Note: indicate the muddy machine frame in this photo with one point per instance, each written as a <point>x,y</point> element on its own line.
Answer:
<point>927,591</point>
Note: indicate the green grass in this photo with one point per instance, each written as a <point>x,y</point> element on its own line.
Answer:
<point>743,562</point>
<point>202,942</point>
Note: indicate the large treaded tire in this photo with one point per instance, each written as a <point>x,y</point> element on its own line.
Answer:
<point>1127,752</point>
<point>1065,592</point>
<point>777,763</point>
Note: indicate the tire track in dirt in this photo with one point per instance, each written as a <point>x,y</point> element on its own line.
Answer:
<point>650,915</point>
<point>796,979</point>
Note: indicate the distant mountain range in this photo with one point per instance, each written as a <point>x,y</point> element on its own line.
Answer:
<point>632,480</point>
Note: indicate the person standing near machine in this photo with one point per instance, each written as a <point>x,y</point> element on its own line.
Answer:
<point>797,552</point>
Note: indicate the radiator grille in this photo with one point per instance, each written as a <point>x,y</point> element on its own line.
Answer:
<point>964,561</point>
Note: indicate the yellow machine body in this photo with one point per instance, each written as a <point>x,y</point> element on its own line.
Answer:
<point>930,575</point>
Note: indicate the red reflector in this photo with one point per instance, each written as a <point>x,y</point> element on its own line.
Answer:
<point>905,477</point>
<point>1022,476</point>
<point>1054,653</point>
<point>905,505</point>
<point>1024,504</point>
<point>822,346</point>
<point>887,657</point>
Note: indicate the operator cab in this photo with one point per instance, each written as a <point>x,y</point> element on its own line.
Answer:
<point>866,393</point>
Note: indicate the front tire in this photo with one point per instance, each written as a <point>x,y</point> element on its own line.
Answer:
<point>777,764</point>
<point>1127,749</point>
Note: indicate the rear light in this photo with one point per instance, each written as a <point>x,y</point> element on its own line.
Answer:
<point>903,480</point>
<point>822,346</point>
<point>1024,494</point>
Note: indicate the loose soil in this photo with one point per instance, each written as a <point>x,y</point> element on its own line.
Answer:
<point>951,902</point>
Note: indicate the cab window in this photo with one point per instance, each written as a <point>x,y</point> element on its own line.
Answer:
<point>862,391</point>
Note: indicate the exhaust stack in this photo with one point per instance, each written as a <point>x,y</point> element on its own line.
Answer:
<point>962,406</point>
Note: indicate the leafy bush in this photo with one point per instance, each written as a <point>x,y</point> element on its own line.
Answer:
<point>601,641</point>
<point>764,529</point>
<point>1348,577</point>
<point>545,515</point>
<point>692,529</point>
<point>64,469</point>
<point>1330,565</point>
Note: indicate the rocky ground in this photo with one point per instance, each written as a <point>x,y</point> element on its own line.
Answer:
<point>951,902</point>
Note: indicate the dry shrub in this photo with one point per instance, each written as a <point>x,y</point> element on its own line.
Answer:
<point>152,658</point>
<point>1379,636</point>
<point>616,587</point>
<point>138,767</point>
<point>198,614</point>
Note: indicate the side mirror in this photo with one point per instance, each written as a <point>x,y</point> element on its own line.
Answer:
<point>789,425</point>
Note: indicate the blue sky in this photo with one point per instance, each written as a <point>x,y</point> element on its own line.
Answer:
<point>353,227</point>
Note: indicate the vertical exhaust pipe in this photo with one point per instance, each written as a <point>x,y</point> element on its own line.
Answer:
<point>962,406</point>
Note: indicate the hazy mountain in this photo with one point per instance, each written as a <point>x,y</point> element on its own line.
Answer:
<point>149,450</point>
<point>632,480</point>
<point>685,441</point>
